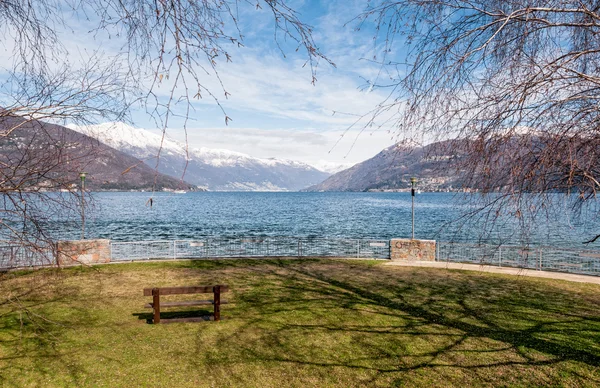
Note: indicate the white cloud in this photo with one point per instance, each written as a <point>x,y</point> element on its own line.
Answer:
<point>276,111</point>
<point>330,150</point>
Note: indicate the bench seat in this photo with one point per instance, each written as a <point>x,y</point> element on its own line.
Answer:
<point>185,303</point>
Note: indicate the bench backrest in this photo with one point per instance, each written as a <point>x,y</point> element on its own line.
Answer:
<point>185,290</point>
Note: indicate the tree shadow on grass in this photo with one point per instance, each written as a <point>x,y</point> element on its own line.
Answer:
<point>31,333</point>
<point>457,326</point>
<point>486,328</point>
<point>346,323</point>
<point>48,337</point>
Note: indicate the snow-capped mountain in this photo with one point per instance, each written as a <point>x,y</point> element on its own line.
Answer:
<point>67,154</point>
<point>213,169</point>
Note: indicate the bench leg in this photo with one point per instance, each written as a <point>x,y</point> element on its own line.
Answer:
<point>156,305</point>
<point>217,302</point>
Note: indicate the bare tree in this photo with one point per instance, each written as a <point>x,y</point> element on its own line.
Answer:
<point>39,169</point>
<point>175,45</point>
<point>514,82</point>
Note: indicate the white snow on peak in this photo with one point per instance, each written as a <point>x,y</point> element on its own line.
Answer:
<point>143,144</point>
<point>332,167</point>
<point>123,136</point>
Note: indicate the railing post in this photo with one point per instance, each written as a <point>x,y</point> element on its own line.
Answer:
<point>540,266</point>
<point>358,249</point>
<point>299,248</point>
<point>500,256</point>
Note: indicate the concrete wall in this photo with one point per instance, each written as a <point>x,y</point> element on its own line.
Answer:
<point>407,249</point>
<point>83,252</point>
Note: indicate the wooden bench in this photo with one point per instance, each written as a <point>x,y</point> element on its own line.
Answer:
<point>156,304</point>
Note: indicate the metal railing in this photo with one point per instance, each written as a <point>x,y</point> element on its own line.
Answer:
<point>214,247</point>
<point>15,255</point>
<point>580,261</point>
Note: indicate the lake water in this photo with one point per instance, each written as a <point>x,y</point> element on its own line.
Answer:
<point>128,217</point>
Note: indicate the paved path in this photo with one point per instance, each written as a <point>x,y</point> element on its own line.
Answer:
<point>505,270</point>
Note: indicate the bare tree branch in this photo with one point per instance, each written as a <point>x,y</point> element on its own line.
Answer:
<point>515,83</point>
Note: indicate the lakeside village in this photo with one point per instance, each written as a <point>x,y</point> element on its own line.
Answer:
<point>426,185</point>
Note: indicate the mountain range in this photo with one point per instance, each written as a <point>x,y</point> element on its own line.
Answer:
<point>213,169</point>
<point>36,154</point>
<point>392,168</point>
<point>120,157</point>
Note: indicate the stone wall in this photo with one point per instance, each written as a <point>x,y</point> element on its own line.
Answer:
<point>407,249</point>
<point>83,252</point>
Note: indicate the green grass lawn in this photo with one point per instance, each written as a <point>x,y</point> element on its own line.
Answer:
<point>298,323</point>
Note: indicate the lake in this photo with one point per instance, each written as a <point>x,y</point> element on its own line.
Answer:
<point>129,217</point>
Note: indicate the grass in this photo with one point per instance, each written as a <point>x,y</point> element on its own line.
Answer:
<point>299,323</point>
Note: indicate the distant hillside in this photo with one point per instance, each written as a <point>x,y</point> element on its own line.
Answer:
<point>392,168</point>
<point>215,169</point>
<point>526,162</point>
<point>69,152</point>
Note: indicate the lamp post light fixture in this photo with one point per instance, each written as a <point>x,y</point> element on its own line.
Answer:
<point>413,183</point>
<point>82,177</point>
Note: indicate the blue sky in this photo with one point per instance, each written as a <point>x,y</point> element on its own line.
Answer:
<point>275,110</point>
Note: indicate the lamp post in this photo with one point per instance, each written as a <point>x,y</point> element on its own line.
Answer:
<point>24,216</point>
<point>413,183</point>
<point>82,177</point>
